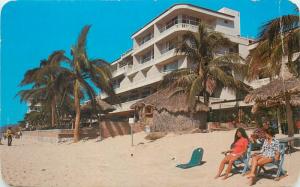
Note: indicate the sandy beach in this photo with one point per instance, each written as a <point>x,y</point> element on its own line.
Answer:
<point>109,163</point>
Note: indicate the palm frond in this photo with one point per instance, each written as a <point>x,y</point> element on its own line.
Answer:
<point>173,76</point>
<point>272,29</point>
<point>231,61</point>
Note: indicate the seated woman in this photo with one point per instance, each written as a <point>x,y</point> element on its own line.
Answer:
<point>238,149</point>
<point>268,153</point>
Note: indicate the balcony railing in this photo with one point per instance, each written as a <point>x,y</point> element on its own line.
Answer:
<point>146,40</point>
<point>121,70</point>
<point>167,49</point>
<point>178,21</point>
<point>146,59</point>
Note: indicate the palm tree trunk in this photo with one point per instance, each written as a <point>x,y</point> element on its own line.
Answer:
<point>206,101</point>
<point>289,114</point>
<point>53,113</point>
<point>278,119</point>
<point>77,111</point>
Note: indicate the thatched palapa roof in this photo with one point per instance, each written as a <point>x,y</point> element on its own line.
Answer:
<point>294,101</point>
<point>275,90</point>
<point>102,106</point>
<point>164,100</point>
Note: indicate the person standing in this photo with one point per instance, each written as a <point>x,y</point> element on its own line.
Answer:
<point>9,136</point>
<point>1,135</point>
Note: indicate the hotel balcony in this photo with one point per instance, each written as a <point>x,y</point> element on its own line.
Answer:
<point>178,25</point>
<point>142,65</point>
<point>137,84</point>
<point>166,55</point>
<point>121,71</point>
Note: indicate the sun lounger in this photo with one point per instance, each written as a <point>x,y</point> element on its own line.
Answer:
<point>196,159</point>
<point>277,165</point>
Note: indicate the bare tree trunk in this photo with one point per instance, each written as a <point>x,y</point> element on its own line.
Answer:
<point>289,114</point>
<point>77,111</point>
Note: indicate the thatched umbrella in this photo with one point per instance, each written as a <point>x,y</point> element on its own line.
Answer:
<point>294,101</point>
<point>101,106</point>
<point>165,100</point>
<point>280,91</point>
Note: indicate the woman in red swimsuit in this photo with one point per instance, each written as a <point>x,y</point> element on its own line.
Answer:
<point>238,148</point>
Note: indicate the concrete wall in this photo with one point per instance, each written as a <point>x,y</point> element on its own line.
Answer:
<point>108,129</point>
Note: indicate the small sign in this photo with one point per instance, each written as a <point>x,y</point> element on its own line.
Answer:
<point>131,120</point>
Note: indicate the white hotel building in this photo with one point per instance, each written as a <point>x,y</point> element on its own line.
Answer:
<point>138,71</point>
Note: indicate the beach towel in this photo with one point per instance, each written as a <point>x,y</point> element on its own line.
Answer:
<point>196,159</point>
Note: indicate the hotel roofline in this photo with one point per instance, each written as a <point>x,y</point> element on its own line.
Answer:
<point>177,6</point>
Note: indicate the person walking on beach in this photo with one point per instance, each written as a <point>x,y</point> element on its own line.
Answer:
<point>268,154</point>
<point>9,136</point>
<point>238,149</point>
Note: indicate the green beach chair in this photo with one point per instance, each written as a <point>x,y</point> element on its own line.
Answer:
<point>196,159</point>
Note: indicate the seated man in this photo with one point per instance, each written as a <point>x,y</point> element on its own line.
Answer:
<point>258,137</point>
<point>269,153</point>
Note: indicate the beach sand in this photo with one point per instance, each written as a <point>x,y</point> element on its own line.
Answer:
<point>109,162</point>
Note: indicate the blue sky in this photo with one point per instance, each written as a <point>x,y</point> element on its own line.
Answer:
<point>31,30</point>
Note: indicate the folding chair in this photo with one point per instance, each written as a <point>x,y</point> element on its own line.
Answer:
<point>243,160</point>
<point>275,165</point>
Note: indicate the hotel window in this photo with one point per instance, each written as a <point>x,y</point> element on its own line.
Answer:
<point>190,20</point>
<point>146,38</point>
<point>170,67</point>
<point>134,96</point>
<point>116,83</point>
<point>147,56</point>
<point>172,22</point>
<point>168,46</point>
<point>226,21</point>
<point>146,92</point>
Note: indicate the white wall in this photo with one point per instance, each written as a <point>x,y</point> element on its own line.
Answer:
<point>235,27</point>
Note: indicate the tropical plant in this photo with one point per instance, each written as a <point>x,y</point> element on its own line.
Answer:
<point>279,38</point>
<point>37,119</point>
<point>85,71</point>
<point>278,43</point>
<point>45,85</point>
<point>208,69</point>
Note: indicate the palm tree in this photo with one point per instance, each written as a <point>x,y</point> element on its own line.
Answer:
<point>44,83</point>
<point>86,71</point>
<point>209,69</point>
<point>278,38</point>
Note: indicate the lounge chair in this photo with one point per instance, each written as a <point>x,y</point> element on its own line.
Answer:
<point>277,165</point>
<point>196,159</point>
<point>244,160</point>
